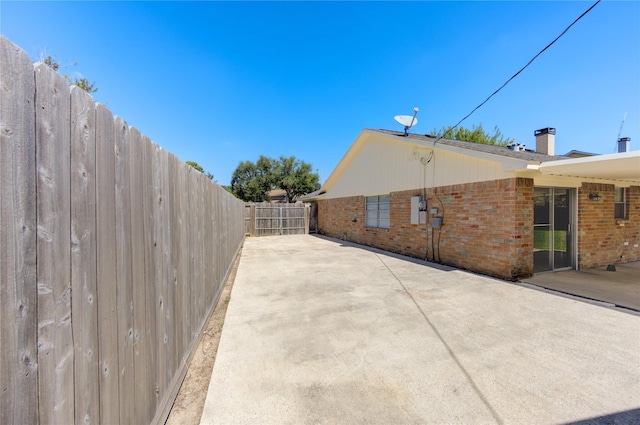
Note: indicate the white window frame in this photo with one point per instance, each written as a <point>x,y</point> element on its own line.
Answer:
<point>377,212</point>
<point>620,202</point>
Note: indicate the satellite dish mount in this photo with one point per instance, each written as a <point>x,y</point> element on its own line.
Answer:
<point>407,121</point>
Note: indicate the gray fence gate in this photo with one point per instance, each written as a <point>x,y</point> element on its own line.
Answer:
<point>277,219</point>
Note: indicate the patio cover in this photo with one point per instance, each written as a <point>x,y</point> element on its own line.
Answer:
<point>617,166</point>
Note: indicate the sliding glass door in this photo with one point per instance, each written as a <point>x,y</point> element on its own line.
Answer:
<point>553,229</point>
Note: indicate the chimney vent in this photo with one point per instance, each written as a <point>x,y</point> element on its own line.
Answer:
<point>545,140</point>
<point>623,144</point>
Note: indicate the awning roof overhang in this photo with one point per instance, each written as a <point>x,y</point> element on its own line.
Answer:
<point>618,166</point>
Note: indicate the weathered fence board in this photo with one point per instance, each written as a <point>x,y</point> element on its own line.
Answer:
<point>161,334</point>
<point>55,338</point>
<point>126,372</point>
<point>143,390</point>
<point>209,275</point>
<point>199,254</point>
<point>247,220</point>
<point>174,184</point>
<point>151,274</point>
<point>83,256</point>
<point>167,270</point>
<point>18,292</point>
<point>182,259</point>
<point>106,267</point>
<point>113,257</point>
<point>192,223</point>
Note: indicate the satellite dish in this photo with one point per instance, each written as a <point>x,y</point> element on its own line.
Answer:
<point>407,121</point>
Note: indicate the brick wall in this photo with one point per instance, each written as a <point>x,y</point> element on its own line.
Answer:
<point>487,226</point>
<point>601,237</point>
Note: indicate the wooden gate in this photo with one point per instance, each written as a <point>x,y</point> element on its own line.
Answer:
<point>277,219</point>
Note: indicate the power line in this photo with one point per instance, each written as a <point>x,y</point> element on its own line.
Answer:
<point>517,73</point>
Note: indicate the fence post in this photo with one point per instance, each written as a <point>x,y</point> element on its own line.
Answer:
<point>307,211</point>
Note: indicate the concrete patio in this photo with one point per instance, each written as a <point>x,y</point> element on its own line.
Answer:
<point>319,331</point>
<point>619,288</point>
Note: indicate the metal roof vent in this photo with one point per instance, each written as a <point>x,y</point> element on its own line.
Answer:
<point>623,144</point>
<point>516,147</point>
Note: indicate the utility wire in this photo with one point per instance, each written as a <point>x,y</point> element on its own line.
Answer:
<point>517,73</point>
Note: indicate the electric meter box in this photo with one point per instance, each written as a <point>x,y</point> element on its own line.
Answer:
<point>418,209</point>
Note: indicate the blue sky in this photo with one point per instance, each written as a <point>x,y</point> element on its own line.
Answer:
<point>223,82</point>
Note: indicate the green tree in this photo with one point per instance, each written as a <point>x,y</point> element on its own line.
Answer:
<point>475,134</point>
<point>295,177</point>
<point>252,182</point>
<point>199,168</point>
<point>83,83</point>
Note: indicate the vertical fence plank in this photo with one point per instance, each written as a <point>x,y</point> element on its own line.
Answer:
<point>192,223</point>
<point>192,205</point>
<point>158,224</point>
<point>182,297</point>
<point>124,292</point>
<point>83,257</point>
<point>168,271</point>
<point>150,272</point>
<point>18,293</point>
<point>176,259</point>
<point>144,392</point>
<point>217,233</point>
<point>175,364</point>
<point>55,339</point>
<point>197,253</point>
<point>200,267</point>
<point>106,267</point>
<point>207,249</point>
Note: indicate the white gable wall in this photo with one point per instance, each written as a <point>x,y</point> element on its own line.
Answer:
<point>379,166</point>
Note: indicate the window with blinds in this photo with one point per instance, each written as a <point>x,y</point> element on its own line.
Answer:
<point>377,212</point>
<point>620,203</point>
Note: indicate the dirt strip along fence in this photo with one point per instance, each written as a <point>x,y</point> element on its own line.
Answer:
<point>113,256</point>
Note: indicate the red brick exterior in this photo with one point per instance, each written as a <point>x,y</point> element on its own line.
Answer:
<point>601,237</point>
<point>487,226</point>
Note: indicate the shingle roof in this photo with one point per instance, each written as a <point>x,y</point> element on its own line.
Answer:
<point>478,147</point>
<point>311,196</point>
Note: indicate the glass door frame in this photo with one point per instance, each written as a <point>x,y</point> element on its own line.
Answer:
<point>572,230</point>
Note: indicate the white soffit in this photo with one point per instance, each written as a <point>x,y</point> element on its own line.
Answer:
<point>617,166</point>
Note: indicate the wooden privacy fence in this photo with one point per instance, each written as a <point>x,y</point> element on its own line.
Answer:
<point>267,219</point>
<point>113,254</point>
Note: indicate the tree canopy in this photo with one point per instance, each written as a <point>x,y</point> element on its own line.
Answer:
<point>252,182</point>
<point>476,134</point>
